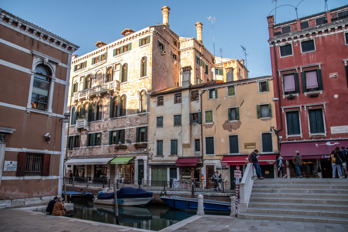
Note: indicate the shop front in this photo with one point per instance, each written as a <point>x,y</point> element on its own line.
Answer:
<point>124,167</point>
<point>315,155</point>
<point>188,170</point>
<point>267,163</point>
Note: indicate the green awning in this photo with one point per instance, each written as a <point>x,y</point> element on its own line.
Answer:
<point>121,160</point>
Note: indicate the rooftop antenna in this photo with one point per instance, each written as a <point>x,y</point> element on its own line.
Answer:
<point>295,8</point>
<point>212,20</point>
<point>245,55</point>
<point>275,10</point>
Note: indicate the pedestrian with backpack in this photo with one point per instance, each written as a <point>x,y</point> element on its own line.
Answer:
<point>253,158</point>
<point>280,166</point>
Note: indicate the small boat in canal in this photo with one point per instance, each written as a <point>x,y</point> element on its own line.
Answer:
<point>80,195</point>
<point>186,203</point>
<point>126,196</point>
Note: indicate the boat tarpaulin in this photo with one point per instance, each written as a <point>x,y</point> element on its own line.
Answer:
<point>121,160</point>
<point>126,192</point>
<point>88,161</point>
<point>189,161</point>
<point>243,160</point>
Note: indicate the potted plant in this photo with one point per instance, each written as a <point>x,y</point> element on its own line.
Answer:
<point>120,146</point>
<point>290,97</point>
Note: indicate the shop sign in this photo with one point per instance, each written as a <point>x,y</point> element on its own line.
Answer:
<point>10,166</point>
<point>249,145</point>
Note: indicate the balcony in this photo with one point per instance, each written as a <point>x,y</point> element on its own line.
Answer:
<point>81,95</point>
<point>82,124</point>
<point>96,90</point>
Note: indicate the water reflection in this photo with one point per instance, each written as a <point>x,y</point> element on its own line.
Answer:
<point>150,218</point>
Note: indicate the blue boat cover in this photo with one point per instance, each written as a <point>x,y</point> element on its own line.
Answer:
<point>127,192</point>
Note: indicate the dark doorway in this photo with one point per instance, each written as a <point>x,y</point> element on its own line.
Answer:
<point>209,169</point>
<point>232,179</point>
<point>140,172</point>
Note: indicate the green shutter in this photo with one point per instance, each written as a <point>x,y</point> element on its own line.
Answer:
<point>84,83</point>
<point>199,117</point>
<point>75,67</point>
<point>114,52</point>
<point>85,64</point>
<point>216,93</point>
<point>126,74</point>
<point>73,142</point>
<point>140,42</point>
<point>68,142</point>
<point>117,136</point>
<point>303,77</point>
<point>111,107</point>
<point>221,71</point>
<point>191,118</point>
<point>237,113</point>
<point>145,134</point>
<point>137,134</point>
<point>145,67</point>
<point>267,88</point>
<point>101,137</point>
<point>320,79</point>
<point>229,114</point>
<point>118,106</point>
<point>123,135</point>
<point>270,110</point>
<point>93,60</point>
<point>122,49</point>
<point>258,108</point>
<point>129,46</point>
<point>297,85</point>
<point>94,138</point>
<point>148,39</point>
<point>95,110</point>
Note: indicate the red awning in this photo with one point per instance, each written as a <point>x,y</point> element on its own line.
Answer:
<point>192,161</point>
<point>311,150</point>
<point>243,160</point>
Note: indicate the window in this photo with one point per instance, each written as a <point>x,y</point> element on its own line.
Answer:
<point>304,25</point>
<point>41,87</point>
<point>99,111</point>
<point>219,71</point>
<point>346,38</point>
<point>293,123</point>
<point>73,116</point>
<point>290,83</point>
<point>307,46</point>
<point>117,136</point>
<point>234,145</point>
<point>33,164</point>
<point>197,145</point>
<point>209,116</point>
<point>159,121</point>
<point>94,139</point>
<point>206,69</point>
<point>263,86</point>
<point>88,82</point>
<point>82,111</point>
<point>124,72</point>
<point>160,101</point>
<point>73,141</point>
<point>195,118</point>
<point>186,75</point>
<point>320,21</point>
<point>177,98</point>
<point>233,113</point>
<point>143,67</point>
<point>80,66</point>
<point>312,80</point>
<point>286,50</point>
<point>212,93</point>
<point>231,91</point>
<point>159,147</point>
<point>144,41</point>
<point>209,146</point>
<point>286,29</point>
<point>94,111</point>
<point>197,59</point>
<point>123,105</point>
<point>175,57</point>
<point>141,135</point>
<point>316,121</point>
<point>98,59</point>
<point>75,87</point>
<point>264,111</point>
<point>267,142</point>
<point>194,95</point>
<point>160,45</point>
<point>114,107</point>
<point>177,120</point>
<point>122,49</point>
<point>109,76</point>
<point>142,101</point>
<point>174,147</point>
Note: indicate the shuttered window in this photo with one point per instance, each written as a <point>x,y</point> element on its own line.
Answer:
<point>264,110</point>
<point>209,146</point>
<point>174,147</point>
<point>231,90</point>
<point>197,145</point>
<point>307,46</point>
<point>159,147</point>
<point>233,113</point>
<point>141,134</point>
<point>316,121</point>
<point>209,116</point>
<point>159,121</point>
<point>263,86</point>
<point>312,80</point>
<point>293,123</point>
<point>286,50</point>
<point>177,120</point>
<point>117,136</point>
<point>267,142</point>
<point>234,144</point>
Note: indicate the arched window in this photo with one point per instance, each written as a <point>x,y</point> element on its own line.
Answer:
<point>98,78</point>
<point>143,67</point>
<point>99,111</point>
<point>88,82</point>
<point>75,87</point>
<point>82,112</point>
<point>113,107</point>
<point>82,83</point>
<point>41,87</point>
<point>123,105</point>
<point>108,76</point>
<point>142,101</point>
<point>73,115</point>
<point>124,73</point>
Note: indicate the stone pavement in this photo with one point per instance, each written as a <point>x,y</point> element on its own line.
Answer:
<point>26,220</point>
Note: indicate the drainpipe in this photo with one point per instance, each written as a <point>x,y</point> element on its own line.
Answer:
<point>202,149</point>
<point>279,98</point>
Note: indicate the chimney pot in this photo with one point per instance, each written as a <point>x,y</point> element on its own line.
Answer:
<point>165,13</point>
<point>199,27</point>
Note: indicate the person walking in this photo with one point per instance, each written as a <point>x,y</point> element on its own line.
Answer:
<point>253,157</point>
<point>298,162</point>
<point>339,160</point>
<point>344,164</point>
<point>333,163</point>
<point>280,165</point>
<point>215,179</point>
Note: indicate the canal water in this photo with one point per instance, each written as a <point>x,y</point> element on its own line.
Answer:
<point>151,218</point>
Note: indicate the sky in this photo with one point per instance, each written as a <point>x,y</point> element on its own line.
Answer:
<point>237,23</point>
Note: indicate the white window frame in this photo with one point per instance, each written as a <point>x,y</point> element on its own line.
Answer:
<point>229,145</point>
<point>212,115</point>
<point>315,48</point>
<point>258,85</point>
<point>286,123</point>
<point>235,90</point>
<point>267,152</point>
<point>292,50</point>
<point>205,147</point>
<point>309,127</point>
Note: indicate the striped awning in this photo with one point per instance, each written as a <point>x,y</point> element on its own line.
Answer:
<point>88,161</point>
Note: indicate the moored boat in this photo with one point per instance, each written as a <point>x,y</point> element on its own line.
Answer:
<point>186,203</point>
<point>127,196</point>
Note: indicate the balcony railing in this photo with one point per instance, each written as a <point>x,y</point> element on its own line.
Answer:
<point>82,124</point>
<point>96,90</point>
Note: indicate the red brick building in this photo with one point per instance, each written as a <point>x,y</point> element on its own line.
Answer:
<point>310,67</point>
<point>34,77</point>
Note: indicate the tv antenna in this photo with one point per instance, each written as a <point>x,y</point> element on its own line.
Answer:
<point>212,20</point>
<point>245,55</point>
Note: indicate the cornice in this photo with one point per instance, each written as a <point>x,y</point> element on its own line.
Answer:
<point>36,32</point>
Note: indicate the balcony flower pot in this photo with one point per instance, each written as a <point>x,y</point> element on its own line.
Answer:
<point>140,145</point>
<point>313,95</point>
<point>120,147</point>
<point>290,97</point>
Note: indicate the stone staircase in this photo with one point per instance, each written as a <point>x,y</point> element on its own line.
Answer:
<point>310,200</point>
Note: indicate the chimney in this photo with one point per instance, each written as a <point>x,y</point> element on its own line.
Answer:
<point>199,26</point>
<point>165,13</point>
<point>270,20</point>
<point>100,44</point>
